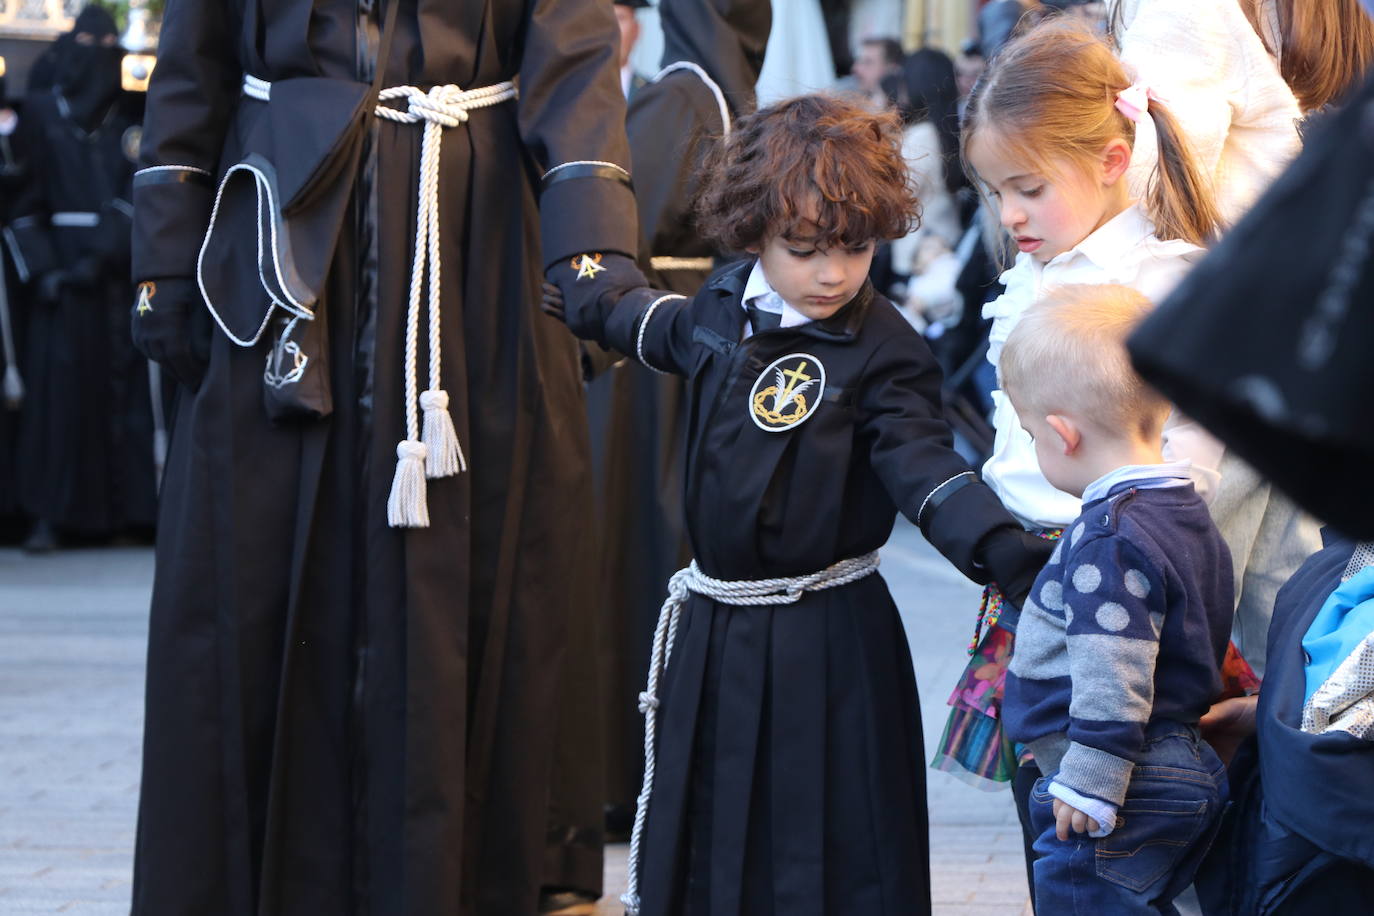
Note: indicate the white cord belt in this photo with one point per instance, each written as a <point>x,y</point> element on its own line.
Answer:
<point>436,453</point>
<point>748,592</point>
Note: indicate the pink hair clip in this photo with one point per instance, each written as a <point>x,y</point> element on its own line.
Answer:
<point>1134,101</point>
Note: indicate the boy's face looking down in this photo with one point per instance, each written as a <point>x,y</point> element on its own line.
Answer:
<point>815,281</point>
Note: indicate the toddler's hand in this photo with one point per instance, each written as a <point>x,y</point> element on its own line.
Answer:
<point>1067,817</point>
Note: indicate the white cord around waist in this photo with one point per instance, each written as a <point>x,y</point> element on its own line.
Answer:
<point>745,592</point>
<point>438,454</point>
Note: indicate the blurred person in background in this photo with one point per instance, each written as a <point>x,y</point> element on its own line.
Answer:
<point>877,59</point>
<point>630,81</point>
<point>86,453</point>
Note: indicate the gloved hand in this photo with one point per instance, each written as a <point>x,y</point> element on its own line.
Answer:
<point>579,285</point>
<point>85,273</point>
<point>49,285</point>
<point>1014,557</point>
<point>171,327</point>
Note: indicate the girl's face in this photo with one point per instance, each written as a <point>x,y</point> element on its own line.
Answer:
<point>817,282</point>
<point>1049,209</point>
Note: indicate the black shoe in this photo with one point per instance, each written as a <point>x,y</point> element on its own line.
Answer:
<point>620,820</point>
<point>558,900</point>
<point>42,538</point>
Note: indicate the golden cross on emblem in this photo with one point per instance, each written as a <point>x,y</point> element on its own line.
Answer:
<point>587,266</point>
<point>793,376</point>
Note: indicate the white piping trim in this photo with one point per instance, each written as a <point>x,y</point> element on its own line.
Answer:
<point>670,263</point>
<point>619,168</point>
<point>123,206</point>
<point>931,495</point>
<point>174,168</point>
<point>263,188</point>
<point>20,265</point>
<point>644,324</point>
<point>74,219</point>
<point>710,84</point>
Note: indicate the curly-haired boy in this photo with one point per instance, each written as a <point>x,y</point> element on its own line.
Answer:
<point>785,770</point>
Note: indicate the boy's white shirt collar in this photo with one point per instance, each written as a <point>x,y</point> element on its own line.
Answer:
<point>760,292</point>
<point>1151,476</point>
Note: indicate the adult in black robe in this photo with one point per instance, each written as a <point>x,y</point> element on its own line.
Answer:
<point>713,52</point>
<point>343,716</point>
<point>13,176</point>
<point>86,443</point>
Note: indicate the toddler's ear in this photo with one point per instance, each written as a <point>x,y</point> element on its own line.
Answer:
<point>1116,158</point>
<point>1070,438</point>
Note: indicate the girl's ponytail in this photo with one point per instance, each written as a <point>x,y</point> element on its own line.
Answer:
<point>1180,199</point>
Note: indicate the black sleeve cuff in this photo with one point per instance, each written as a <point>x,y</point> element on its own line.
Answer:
<point>959,523</point>
<point>588,213</point>
<point>170,217</point>
<point>31,247</point>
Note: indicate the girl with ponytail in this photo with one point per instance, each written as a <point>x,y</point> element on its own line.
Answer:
<point>1048,137</point>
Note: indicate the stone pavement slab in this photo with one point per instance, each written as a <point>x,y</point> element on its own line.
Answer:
<point>72,642</point>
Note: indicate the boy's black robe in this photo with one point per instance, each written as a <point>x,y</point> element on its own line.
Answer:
<point>790,768</point>
<point>637,415</point>
<point>343,717</point>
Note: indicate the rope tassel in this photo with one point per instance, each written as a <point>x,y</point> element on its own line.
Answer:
<point>407,507</point>
<point>441,439</point>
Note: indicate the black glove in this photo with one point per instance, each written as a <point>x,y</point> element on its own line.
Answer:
<point>49,286</point>
<point>579,285</point>
<point>171,328</point>
<point>85,273</point>
<point>1014,557</point>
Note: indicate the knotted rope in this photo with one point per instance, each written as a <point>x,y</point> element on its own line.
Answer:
<point>438,453</point>
<point>745,592</point>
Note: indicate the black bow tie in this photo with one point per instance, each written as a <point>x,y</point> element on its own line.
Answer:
<point>762,320</point>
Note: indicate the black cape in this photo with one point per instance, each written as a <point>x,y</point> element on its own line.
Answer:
<point>14,174</point>
<point>790,767</point>
<point>86,440</point>
<point>344,717</point>
<point>637,415</point>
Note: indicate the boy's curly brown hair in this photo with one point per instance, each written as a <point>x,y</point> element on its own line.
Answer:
<point>815,168</point>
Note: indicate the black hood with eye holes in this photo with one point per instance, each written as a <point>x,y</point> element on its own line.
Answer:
<point>87,75</point>
<point>726,38</point>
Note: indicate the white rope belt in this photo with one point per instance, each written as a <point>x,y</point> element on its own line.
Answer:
<point>436,453</point>
<point>746,592</point>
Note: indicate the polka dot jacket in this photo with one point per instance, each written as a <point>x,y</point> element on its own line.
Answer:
<point>1128,623</point>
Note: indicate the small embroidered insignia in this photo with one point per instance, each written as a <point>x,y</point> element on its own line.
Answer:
<point>587,266</point>
<point>787,392</point>
<point>146,291</point>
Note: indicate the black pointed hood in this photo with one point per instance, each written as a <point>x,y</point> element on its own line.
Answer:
<point>726,38</point>
<point>87,70</point>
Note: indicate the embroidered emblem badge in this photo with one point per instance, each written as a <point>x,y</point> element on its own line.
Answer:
<point>787,392</point>
<point>587,266</point>
<point>146,291</point>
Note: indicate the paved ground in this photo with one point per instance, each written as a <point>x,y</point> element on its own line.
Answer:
<point>72,629</point>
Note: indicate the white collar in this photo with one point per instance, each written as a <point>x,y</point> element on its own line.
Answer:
<point>1148,476</point>
<point>759,292</point>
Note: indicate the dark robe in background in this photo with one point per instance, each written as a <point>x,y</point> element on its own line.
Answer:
<point>14,173</point>
<point>344,717</point>
<point>86,442</point>
<point>637,415</point>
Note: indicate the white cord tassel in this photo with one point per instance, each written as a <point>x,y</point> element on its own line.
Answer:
<point>440,108</point>
<point>407,507</point>
<point>440,438</point>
